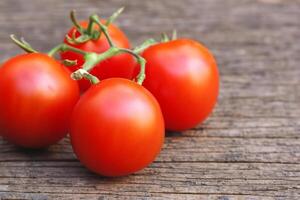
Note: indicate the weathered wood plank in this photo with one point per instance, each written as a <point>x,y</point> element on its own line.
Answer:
<point>193,178</point>
<point>248,149</point>
<point>188,149</point>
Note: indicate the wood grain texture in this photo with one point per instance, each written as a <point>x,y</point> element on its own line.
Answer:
<point>248,149</point>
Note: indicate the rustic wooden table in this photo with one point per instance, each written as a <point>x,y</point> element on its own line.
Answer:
<point>250,146</point>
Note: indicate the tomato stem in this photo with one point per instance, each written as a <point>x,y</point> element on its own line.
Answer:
<point>23,44</point>
<point>144,45</point>
<point>174,34</point>
<point>69,63</point>
<point>141,76</point>
<point>116,50</point>
<point>92,59</point>
<point>114,16</point>
<point>81,73</point>
<point>104,29</point>
<point>164,37</point>
<point>75,22</point>
<point>64,47</point>
<point>89,33</point>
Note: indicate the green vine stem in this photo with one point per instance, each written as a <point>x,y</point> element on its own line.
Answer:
<point>174,35</point>
<point>27,48</point>
<point>144,45</point>
<point>75,22</point>
<point>23,44</point>
<point>166,38</point>
<point>81,73</point>
<point>95,19</point>
<point>64,47</point>
<point>114,16</point>
<point>92,59</point>
<point>89,33</point>
<point>69,63</point>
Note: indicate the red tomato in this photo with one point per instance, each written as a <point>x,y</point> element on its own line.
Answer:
<point>117,128</point>
<point>183,76</point>
<point>121,65</point>
<point>37,97</point>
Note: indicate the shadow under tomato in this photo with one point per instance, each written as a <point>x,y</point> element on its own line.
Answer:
<point>174,133</point>
<point>32,151</point>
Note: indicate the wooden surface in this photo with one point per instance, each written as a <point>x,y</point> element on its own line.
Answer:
<point>248,149</point>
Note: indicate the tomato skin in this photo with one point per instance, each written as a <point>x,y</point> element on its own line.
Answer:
<point>37,97</point>
<point>121,65</point>
<point>183,76</point>
<point>117,128</point>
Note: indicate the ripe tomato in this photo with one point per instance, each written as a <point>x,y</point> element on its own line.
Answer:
<point>117,128</point>
<point>183,76</point>
<point>121,65</point>
<point>37,97</point>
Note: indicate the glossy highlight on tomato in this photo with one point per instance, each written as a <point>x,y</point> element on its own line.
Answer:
<point>117,128</point>
<point>37,97</point>
<point>121,65</point>
<point>183,76</point>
